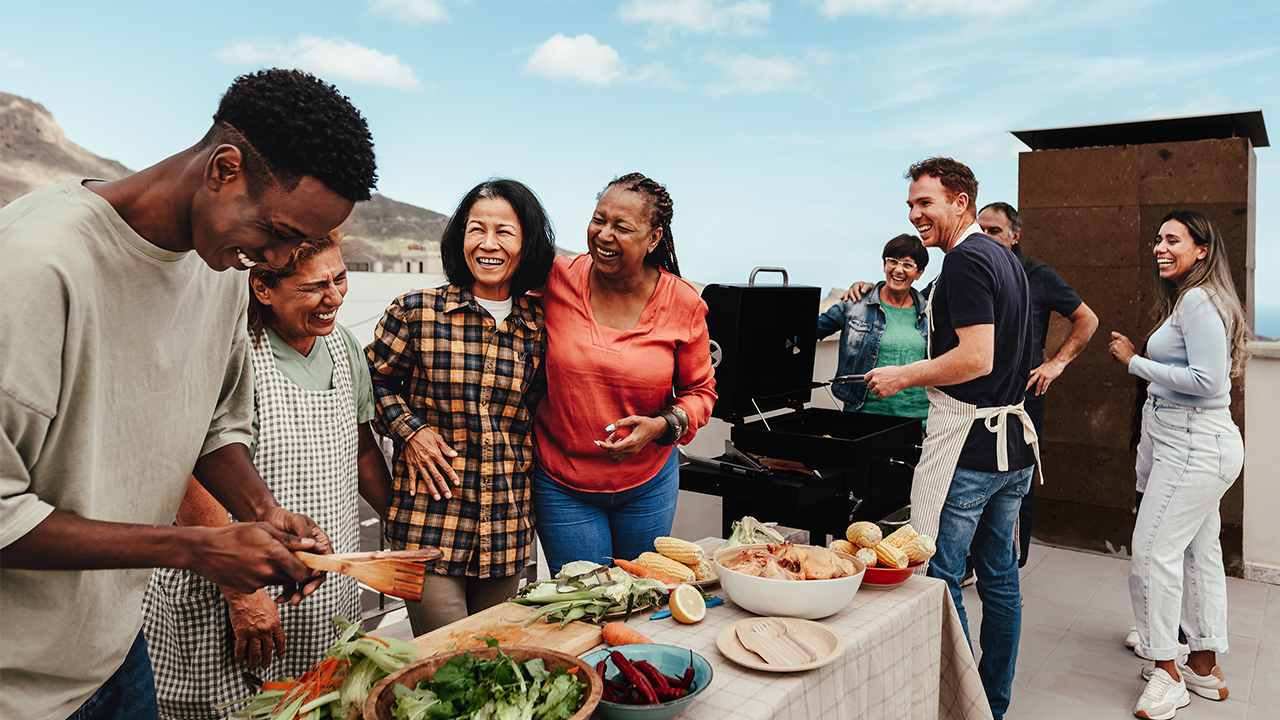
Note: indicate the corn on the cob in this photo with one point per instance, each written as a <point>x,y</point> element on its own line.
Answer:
<point>702,571</point>
<point>843,546</point>
<point>901,536</point>
<point>867,556</point>
<point>666,566</point>
<point>864,534</point>
<point>890,556</point>
<point>682,551</point>
<point>919,548</point>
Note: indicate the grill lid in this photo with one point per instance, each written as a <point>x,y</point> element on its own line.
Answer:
<point>763,339</point>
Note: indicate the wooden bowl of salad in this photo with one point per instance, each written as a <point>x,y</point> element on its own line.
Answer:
<point>555,664</point>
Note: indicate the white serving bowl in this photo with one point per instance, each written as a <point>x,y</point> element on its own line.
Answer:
<point>807,599</point>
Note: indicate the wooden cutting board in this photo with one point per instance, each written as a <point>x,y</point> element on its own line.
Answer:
<point>575,639</point>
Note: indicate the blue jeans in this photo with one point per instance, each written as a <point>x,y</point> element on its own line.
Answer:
<point>577,525</point>
<point>130,693</point>
<point>978,519</point>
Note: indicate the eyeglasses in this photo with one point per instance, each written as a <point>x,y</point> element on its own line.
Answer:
<point>908,266</point>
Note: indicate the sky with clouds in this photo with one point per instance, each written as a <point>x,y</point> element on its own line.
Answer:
<point>782,128</point>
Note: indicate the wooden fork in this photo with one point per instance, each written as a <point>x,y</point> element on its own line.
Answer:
<point>398,573</point>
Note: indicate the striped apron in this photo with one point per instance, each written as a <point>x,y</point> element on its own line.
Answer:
<point>949,423</point>
<point>307,443</point>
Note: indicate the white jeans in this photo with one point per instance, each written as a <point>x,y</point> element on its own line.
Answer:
<point>1188,458</point>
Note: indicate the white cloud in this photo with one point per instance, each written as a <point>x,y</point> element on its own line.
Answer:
<point>580,58</point>
<point>334,59</point>
<point>9,62</point>
<point>755,75</point>
<point>924,8</point>
<point>411,12</point>
<point>655,74</point>
<point>743,18</point>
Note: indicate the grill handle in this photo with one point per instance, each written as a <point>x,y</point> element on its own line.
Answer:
<point>751,281</point>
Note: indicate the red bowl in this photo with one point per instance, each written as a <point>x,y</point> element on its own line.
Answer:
<point>878,577</point>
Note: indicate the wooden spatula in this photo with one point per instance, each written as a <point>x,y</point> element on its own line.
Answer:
<point>397,573</point>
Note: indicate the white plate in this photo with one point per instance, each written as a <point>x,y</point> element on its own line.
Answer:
<point>829,643</point>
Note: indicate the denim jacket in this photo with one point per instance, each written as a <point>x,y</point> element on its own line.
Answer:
<point>861,326</point>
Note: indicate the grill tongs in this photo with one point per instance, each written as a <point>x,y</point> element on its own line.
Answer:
<point>740,463</point>
<point>736,462</point>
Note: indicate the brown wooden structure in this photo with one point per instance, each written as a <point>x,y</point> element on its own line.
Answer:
<point>1091,200</point>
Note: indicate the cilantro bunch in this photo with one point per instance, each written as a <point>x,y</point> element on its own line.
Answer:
<point>498,689</point>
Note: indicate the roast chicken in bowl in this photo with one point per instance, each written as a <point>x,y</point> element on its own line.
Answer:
<point>801,581</point>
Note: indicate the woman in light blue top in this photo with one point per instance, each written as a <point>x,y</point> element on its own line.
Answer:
<point>886,326</point>
<point>1189,454</point>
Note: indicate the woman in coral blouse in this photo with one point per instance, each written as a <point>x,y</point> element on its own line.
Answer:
<point>628,376</point>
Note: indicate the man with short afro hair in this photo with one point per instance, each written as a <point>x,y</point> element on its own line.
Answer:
<point>125,371</point>
<point>297,125</point>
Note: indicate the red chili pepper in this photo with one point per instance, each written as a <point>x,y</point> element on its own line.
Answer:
<point>658,679</point>
<point>600,668</point>
<point>686,682</point>
<point>635,677</point>
<point>667,694</point>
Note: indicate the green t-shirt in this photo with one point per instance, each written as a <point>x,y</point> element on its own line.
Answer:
<point>901,344</point>
<point>314,372</point>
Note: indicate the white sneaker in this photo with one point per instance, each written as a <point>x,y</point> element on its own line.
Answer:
<point>1131,640</point>
<point>1212,686</point>
<point>1162,697</point>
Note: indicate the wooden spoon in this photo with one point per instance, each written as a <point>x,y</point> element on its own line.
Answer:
<point>398,573</point>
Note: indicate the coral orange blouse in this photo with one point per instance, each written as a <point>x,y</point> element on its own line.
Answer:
<point>597,375</point>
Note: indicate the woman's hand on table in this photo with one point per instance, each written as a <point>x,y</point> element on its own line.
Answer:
<point>1121,348</point>
<point>644,430</point>
<point>427,456</point>
<point>255,624</point>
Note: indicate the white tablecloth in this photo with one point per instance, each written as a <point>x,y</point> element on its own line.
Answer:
<point>905,657</point>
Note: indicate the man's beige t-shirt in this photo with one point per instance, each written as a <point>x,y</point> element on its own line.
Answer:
<point>120,365</point>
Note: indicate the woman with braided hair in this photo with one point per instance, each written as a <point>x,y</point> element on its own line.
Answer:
<point>628,376</point>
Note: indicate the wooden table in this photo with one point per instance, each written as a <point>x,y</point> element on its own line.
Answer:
<point>905,657</point>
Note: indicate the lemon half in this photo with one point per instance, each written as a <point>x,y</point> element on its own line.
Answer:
<point>687,604</point>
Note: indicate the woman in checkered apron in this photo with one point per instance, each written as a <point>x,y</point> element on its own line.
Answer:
<point>314,449</point>
<point>458,371</point>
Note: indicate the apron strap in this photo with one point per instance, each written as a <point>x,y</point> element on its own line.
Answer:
<point>995,419</point>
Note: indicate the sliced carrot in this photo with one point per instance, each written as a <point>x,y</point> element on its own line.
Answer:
<point>276,685</point>
<point>616,633</point>
<point>641,571</point>
<point>573,670</point>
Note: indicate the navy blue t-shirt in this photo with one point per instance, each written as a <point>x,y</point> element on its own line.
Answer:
<point>982,283</point>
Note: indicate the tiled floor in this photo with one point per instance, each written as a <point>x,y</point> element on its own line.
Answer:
<point>1072,662</point>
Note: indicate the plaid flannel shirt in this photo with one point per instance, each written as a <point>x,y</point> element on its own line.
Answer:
<point>437,360</point>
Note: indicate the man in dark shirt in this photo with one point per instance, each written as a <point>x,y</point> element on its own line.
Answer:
<point>977,462</point>
<point>1048,294</point>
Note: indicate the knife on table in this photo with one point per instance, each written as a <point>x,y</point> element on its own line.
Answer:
<point>712,602</point>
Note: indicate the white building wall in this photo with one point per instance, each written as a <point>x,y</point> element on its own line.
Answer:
<point>1262,464</point>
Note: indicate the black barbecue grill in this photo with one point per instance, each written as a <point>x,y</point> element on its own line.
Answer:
<point>856,466</point>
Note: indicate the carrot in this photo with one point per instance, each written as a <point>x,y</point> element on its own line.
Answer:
<point>276,685</point>
<point>615,633</point>
<point>641,571</point>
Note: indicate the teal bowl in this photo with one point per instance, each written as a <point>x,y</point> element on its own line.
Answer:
<point>670,660</point>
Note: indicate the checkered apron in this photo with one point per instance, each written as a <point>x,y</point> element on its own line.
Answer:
<point>949,423</point>
<point>307,444</point>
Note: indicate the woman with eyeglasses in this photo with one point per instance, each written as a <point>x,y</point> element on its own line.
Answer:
<point>887,326</point>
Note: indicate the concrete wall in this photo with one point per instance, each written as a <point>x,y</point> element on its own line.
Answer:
<point>1091,213</point>
<point>1262,463</point>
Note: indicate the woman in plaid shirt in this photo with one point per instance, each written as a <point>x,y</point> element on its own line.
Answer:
<point>457,371</point>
